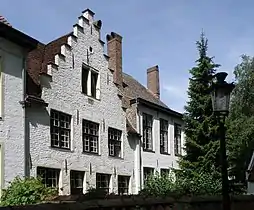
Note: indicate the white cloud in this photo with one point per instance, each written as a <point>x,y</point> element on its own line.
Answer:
<point>176,91</point>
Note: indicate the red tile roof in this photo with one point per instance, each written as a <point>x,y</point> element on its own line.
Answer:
<point>38,60</point>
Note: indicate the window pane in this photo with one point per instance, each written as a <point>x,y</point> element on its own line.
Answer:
<point>50,176</point>
<point>60,129</point>
<point>102,181</point>
<point>77,179</point>
<point>90,136</point>
<point>84,79</point>
<point>114,142</point>
<point>94,78</point>
<point>147,131</point>
<point>123,185</point>
<point>177,139</point>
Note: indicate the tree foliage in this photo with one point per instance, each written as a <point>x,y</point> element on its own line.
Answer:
<point>240,122</point>
<point>26,191</point>
<point>202,145</point>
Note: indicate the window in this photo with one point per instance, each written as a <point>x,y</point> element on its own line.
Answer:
<point>85,72</point>
<point>147,172</point>
<point>94,78</point>
<point>49,176</point>
<point>147,131</point>
<point>163,136</point>
<point>77,179</point>
<point>89,81</point>
<point>60,129</point>
<point>90,136</point>
<point>123,185</point>
<point>164,172</point>
<point>102,181</point>
<point>114,142</point>
<point>177,139</point>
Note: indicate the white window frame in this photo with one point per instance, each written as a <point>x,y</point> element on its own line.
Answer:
<point>89,81</point>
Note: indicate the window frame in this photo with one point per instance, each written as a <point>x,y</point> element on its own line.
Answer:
<point>85,76</point>
<point>60,129</point>
<point>146,128</point>
<point>177,139</point>
<point>107,181</point>
<point>123,180</point>
<point>164,171</point>
<point>91,137</point>
<point>115,142</point>
<point>46,179</point>
<point>90,89</point>
<point>164,143</point>
<point>94,86</point>
<point>146,175</point>
<point>75,189</point>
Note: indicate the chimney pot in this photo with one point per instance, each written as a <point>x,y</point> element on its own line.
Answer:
<point>153,80</point>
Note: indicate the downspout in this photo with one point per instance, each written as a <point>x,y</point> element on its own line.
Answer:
<point>140,143</point>
<point>26,126</point>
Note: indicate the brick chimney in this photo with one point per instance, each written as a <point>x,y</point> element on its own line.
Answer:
<point>153,81</point>
<point>114,42</point>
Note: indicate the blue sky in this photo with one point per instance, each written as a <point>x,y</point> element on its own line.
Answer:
<point>160,32</point>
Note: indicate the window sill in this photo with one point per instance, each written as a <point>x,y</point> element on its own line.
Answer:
<point>91,97</point>
<point>148,150</point>
<point>90,153</point>
<point>114,157</point>
<point>61,149</point>
<point>165,153</point>
<point>178,155</point>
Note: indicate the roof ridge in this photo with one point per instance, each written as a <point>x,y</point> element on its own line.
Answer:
<point>68,34</point>
<point>147,90</point>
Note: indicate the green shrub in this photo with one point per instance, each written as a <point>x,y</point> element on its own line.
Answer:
<point>26,191</point>
<point>181,185</point>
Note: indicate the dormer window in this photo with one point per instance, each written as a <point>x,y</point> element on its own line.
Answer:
<point>90,82</point>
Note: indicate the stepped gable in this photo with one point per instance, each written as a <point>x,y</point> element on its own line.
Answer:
<point>45,58</point>
<point>3,20</point>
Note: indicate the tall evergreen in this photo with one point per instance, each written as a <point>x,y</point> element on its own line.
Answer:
<point>202,145</point>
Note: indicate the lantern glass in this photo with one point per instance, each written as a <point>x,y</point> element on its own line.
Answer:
<point>221,100</point>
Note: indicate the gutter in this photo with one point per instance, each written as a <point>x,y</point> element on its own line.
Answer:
<point>26,125</point>
<point>156,107</point>
<point>140,143</point>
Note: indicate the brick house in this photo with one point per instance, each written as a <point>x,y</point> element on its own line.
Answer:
<point>89,124</point>
<point>14,47</point>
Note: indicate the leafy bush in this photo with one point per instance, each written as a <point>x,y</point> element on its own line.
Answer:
<point>181,185</point>
<point>26,191</point>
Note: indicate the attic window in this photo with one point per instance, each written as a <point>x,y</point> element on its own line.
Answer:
<point>90,82</point>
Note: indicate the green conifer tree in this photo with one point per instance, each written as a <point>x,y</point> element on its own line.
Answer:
<point>202,145</point>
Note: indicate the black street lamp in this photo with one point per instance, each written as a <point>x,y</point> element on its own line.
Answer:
<point>221,91</point>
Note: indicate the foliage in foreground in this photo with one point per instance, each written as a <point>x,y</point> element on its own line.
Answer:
<point>240,122</point>
<point>26,191</point>
<point>168,185</point>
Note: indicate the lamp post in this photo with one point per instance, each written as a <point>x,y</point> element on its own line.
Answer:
<point>220,100</point>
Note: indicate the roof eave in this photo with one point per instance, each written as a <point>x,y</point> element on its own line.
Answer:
<point>17,37</point>
<point>157,107</point>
